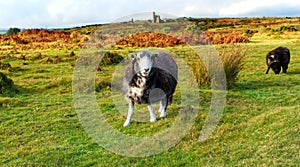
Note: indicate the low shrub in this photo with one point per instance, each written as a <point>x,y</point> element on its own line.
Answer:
<point>283,28</point>
<point>102,85</point>
<point>249,32</point>
<point>288,28</point>
<point>4,66</point>
<point>111,58</point>
<point>72,54</point>
<point>6,84</point>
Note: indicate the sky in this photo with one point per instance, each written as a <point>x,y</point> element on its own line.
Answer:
<point>71,13</point>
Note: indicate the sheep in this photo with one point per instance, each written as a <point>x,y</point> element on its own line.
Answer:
<point>149,78</point>
<point>277,58</point>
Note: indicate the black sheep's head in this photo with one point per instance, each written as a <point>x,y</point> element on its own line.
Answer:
<point>276,67</point>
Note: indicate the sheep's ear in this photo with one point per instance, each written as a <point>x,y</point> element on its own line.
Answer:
<point>154,55</point>
<point>133,56</point>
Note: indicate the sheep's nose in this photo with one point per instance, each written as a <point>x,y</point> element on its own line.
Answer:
<point>147,70</point>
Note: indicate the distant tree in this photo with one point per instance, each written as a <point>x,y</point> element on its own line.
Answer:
<point>13,31</point>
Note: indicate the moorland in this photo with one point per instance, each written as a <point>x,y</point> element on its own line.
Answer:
<point>259,126</point>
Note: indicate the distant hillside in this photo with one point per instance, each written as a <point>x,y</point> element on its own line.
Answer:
<point>146,33</point>
<point>3,31</point>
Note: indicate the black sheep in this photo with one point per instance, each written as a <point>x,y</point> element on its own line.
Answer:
<point>277,58</point>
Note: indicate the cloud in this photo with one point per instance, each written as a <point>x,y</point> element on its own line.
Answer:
<point>262,8</point>
<point>15,13</point>
<point>66,13</point>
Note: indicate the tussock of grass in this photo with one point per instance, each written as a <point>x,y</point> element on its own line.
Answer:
<point>6,84</point>
<point>232,57</point>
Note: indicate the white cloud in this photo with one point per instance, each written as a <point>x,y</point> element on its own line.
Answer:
<point>261,7</point>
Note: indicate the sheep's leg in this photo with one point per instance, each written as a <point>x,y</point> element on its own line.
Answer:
<point>130,112</point>
<point>163,108</point>
<point>284,68</point>
<point>152,114</point>
<point>268,70</point>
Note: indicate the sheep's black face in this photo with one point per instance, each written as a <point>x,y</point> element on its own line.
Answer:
<point>143,62</point>
<point>276,67</point>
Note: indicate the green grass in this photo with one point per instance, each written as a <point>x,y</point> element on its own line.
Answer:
<point>259,126</point>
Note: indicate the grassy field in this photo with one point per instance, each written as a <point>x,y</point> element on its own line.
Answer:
<point>260,125</point>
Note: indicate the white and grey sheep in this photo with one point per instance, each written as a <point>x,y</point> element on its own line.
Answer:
<point>149,78</point>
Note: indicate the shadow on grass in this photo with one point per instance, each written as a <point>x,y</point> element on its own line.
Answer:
<point>293,72</point>
<point>276,81</point>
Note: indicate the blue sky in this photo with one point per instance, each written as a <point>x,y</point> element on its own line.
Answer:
<point>70,13</point>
